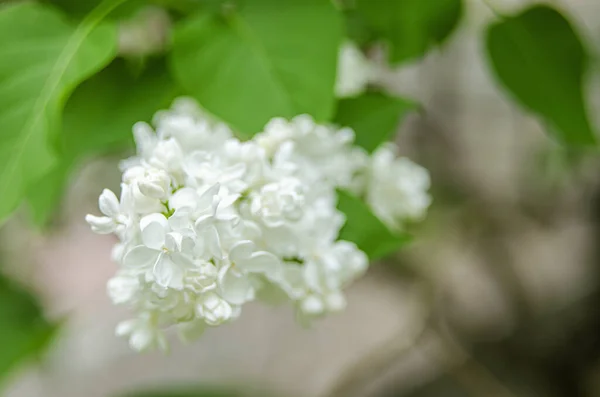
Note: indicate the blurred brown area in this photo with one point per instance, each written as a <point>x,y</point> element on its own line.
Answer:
<point>498,296</point>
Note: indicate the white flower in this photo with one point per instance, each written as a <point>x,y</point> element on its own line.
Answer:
<point>115,219</point>
<point>167,154</point>
<point>151,182</point>
<point>123,288</point>
<point>354,73</point>
<point>205,168</point>
<point>143,333</point>
<point>207,223</point>
<point>202,277</point>
<point>279,202</point>
<point>243,260</point>
<point>397,188</point>
<point>161,255</point>
<point>315,305</point>
<point>331,269</point>
<point>213,309</point>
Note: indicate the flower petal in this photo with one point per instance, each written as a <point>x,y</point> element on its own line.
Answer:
<point>154,230</point>
<point>235,288</point>
<point>213,242</point>
<point>163,271</point>
<point>312,275</point>
<point>101,224</point>
<point>180,221</point>
<point>228,201</point>
<point>206,199</point>
<point>184,198</point>
<point>173,242</point>
<point>262,262</point>
<point>241,250</point>
<point>140,257</point>
<point>109,203</point>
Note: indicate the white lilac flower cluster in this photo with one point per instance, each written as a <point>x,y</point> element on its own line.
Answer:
<point>355,71</point>
<point>207,222</point>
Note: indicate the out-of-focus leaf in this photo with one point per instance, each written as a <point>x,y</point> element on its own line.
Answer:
<point>374,117</point>
<point>540,59</point>
<point>24,332</point>
<point>101,112</point>
<point>357,28</point>
<point>411,27</point>
<point>42,58</point>
<point>43,198</point>
<point>267,58</point>
<point>200,392</point>
<point>364,229</point>
<point>97,120</point>
<point>79,8</point>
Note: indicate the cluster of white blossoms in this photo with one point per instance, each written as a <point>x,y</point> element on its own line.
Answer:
<point>207,222</point>
<point>355,71</point>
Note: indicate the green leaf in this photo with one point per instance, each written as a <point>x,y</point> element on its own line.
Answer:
<point>268,58</point>
<point>374,117</point>
<point>540,59</point>
<point>45,195</point>
<point>101,112</point>
<point>200,392</point>
<point>42,58</point>
<point>98,119</point>
<point>24,332</point>
<point>411,27</point>
<point>357,29</point>
<point>364,229</point>
<point>79,8</point>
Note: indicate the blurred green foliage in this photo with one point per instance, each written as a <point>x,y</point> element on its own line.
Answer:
<point>366,230</point>
<point>540,59</point>
<point>42,59</point>
<point>97,119</point>
<point>410,27</point>
<point>267,58</point>
<point>373,116</point>
<point>200,392</point>
<point>24,332</point>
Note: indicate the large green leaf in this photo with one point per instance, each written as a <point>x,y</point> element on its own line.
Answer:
<point>42,58</point>
<point>269,58</point>
<point>98,119</point>
<point>24,332</point>
<point>374,117</point>
<point>411,27</point>
<point>364,229</point>
<point>538,57</point>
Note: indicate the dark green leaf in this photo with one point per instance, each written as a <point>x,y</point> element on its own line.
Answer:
<point>97,120</point>
<point>357,28</point>
<point>364,229</point>
<point>24,332</point>
<point>42,58</point>
<point>540,59</point>
<point>101,112</point>
<point>374,117</point>
<point>269,58</point>
<point>411,27</point>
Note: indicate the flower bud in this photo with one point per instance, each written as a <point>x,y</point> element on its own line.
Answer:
<point>108,203</point>
<point>214,310</point>
<point>100,224</point>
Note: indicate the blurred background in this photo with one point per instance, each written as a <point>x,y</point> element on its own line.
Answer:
<point>497,296</point>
